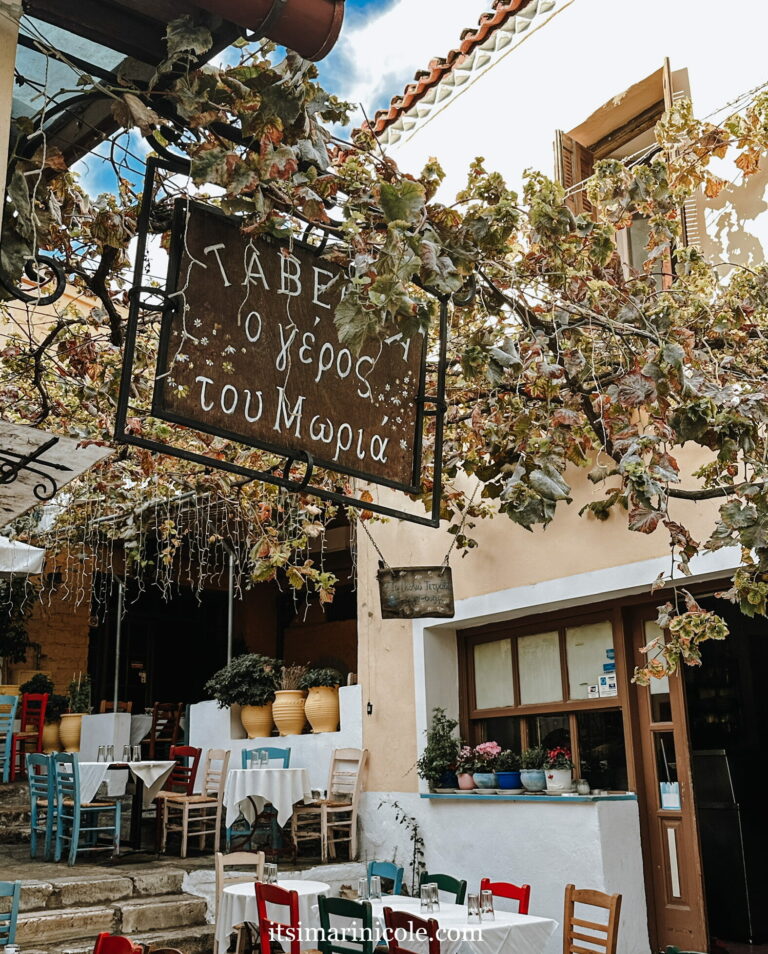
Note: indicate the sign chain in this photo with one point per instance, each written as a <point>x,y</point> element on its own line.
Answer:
<point>375,545</point>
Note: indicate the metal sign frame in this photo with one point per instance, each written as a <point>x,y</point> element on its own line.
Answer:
<point>143,300</point>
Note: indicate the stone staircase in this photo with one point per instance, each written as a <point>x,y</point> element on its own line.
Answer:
<point>64,915</point>
<point>14,813</point>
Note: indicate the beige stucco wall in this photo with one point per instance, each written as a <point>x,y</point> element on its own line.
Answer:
<point>10,11</point>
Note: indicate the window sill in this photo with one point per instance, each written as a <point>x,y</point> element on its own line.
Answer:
<point>552,799</point>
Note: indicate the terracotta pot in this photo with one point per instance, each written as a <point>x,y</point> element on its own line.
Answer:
<point>288,711</point>
<point>69,730</point>
<point>257,721</point>
<point>322,708</point>
<point>559,780</point>
<point>310,27</point>
<point>51,740</point>
<point>466,780</point>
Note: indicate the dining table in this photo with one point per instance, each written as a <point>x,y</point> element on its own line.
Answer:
<point>248,790</point>
<point>238,904</point>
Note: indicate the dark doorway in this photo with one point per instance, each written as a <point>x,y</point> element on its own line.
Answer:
<point>727,714</point>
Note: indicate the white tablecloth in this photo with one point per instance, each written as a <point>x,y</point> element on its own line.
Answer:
<point>506,934</point>
<point>152,774</point>
<point>281,787</point>
<point>140,726</point>
<point>238,904</point>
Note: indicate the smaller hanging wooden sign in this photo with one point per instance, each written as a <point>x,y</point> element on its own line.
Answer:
<point>416,592</point>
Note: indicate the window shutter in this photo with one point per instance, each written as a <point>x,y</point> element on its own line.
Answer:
<point>573,164</point>
<point>691,212</point>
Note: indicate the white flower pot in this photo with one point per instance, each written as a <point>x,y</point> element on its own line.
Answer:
<point>559,780</point>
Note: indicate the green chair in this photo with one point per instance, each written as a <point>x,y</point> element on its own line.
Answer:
<point>447,884</point>
<point>10,897</point>
<point>345,939</point>
<point>71,813</point>
<point>42,802</point>
<point>8,706</point>
<point>388,870</point>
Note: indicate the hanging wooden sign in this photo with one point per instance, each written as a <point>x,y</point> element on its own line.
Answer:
<point>416,592</point>
<point>250,352</point>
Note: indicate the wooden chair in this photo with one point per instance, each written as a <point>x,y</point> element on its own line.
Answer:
<point>343,939</point>
<point>165,729</point>
<point>117,944</point>
<point>282,931</point>
<point>199,815</point>
<point>108,705</point>
<point>181,781</point>
<point>30,736</point>
<point>328,820</point>
<point>413,926</point>
<point>42,803</point>
<point>240,860</point>
<point>389,871</point>
<point>446,883</point>
<point>8,706</point>
<point>10,899</point>
<point>503,889</point>
<point>602,937</point>
<point>71,812</point>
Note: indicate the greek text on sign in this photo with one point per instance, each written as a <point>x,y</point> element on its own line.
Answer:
<point>251,353</point>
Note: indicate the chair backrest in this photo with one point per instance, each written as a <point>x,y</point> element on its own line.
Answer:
<point>388,870</point>
<point>40,777</point>
<point>357,940</point>
<point>236,859</point>
<point>346,775</point>
<point>504,889</point>
<point>166,718</point>
<point>33,706</point>
<point>215,775</point>
<point>446,883</point>
<point>279,755</point>
<point>278,930</point>
<point>66,777</point>
<point>577,931</point>
<point>412,926</point>
<point>8,705</point>
<point>117,944</point>
<point>108,705</point>
<point>184,773</point>
<point>10,897</point>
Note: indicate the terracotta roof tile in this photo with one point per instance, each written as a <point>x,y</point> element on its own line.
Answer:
<point>440,66</point>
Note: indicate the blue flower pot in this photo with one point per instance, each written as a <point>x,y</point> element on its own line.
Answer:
<point>447,780</point>
<point>485,779</point>
<point>534,780</point>
<point>509,780</point>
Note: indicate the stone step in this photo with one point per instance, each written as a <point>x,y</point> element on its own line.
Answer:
<point>190,940</point>
<point>159,914</point>
<point>39,928</point>
<point>86,891</point>
<point>14,821</point>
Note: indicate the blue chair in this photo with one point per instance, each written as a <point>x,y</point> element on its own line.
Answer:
<point>10,896</point>
<point>388,870</point>
<point>266,822</point>
<point>8,706</point>
<point>42,802</point>
<point>71,813</point>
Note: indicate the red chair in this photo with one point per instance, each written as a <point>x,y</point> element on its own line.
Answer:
<point>117,944</point>
<point>503,889</point>
<point>30,738</point>
<point>181,781</point>
<point>272,894</point>
<point>414,926</point>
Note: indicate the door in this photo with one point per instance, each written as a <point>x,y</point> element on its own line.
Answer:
<point>674,884</point>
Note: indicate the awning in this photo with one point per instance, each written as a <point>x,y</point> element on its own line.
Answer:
<point>20,558</point>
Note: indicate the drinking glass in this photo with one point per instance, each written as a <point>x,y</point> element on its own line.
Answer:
<point>362,889</point>
<point>101,755</point>
<point>270,874</point>
<point>426,898</point>
<point>126,753</point>
<point>474,915</point>
<point>255,759</point>
<point>486,905</point>
<point>375,894</point>
<point>434,896</point>
<point>264,759</point>
<point>136,753</point>
<point>110,753</point>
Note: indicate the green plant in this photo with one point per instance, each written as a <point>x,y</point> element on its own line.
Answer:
<point>17,598</point>
<point>442,749</point>
<point>466,761</point>
<point>313,678</point>
<point>291,677</point>
<point>57,706</point>
<point>79,694</point>
<point>508,761</point>
<point>418,863</point>
<point>533,758</point>
<point>38,684</point>
<point>248,680</point>
<point>559,758</point>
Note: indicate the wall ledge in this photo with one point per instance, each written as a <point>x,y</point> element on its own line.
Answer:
<point>550,799</point>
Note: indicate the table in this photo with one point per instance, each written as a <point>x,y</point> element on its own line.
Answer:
<point>140,726</point>
<point>506,934</point>
<point>248,790</point>
<point>238,903</point>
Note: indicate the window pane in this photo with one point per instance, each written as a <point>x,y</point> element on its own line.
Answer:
<point>601,745</point>
<point>549,731</point>
<point>589,650</point>
<point>493,675</point>
<point>539,661</point>
<point>505,731</point>
<point>661,710</point>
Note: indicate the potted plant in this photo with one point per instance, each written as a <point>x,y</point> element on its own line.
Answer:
<point>532,769</point>
<point>248,681</point>
<point>57,706</point>
<point>559,769</point>
<point>437,764</point>
<point>39,684</point>
<point>288,707</point>
<point>78,705</point>
<point>17,597</point>
<point>465,767</point>
<point>485,764</point>
<point>508,770</point>
<point>322,705</point>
